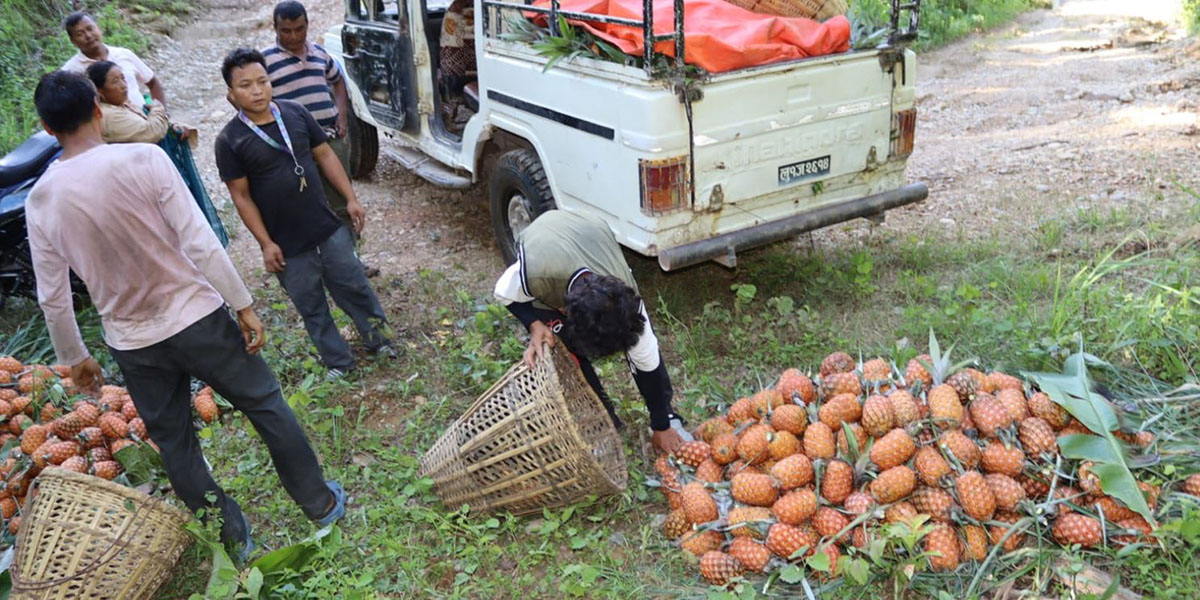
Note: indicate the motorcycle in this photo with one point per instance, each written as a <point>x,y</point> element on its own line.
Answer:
<point>19,171</point>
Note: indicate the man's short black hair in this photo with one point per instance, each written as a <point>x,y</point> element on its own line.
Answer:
<point>98,72</point>
<point>74,18</point>
<point>240,57</point>
<point>289,10</point>
<point>65,101</point>
<point>603,316</point>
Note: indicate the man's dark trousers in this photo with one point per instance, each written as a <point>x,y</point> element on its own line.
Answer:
<point>213,350</point>
<point>333,265</point>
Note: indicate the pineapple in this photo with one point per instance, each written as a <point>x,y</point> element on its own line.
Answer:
<point>108,469</point>
<point>842,408</point>
<point>933,501</point>
<point>1035,487</point>
<point>965,382</point>
<point>796,387</point>
<point>698,542</point>
<point>996,381</point>
<point>793,472</point>
<point>741,411</point>
<point>11,364</point>
<point>877,417</point>
<point>858,503</point>
<point>893,484</point>
<point>743,520</point>
<point>942,546</point>
<point>130,412</point>
<point>838,362</point>
<point>764,402</point>
<point>838,481</point>
<point>1041,406</point>
<point>755,489</point>
<point>790,418</point>
<point>829,522</point>
<point>900,512</point>
<point>676,524</point>
<point>18,424</point>
<point>1087,479</point>
<point>1191,485</point>
<point>752,555</point>
<point>860,438</point>
<point>1144,532</point>
<point>819,441</point>
<point>708,471</point>
<point>693,453</point>
<point>206,406</point>
<point>33,437</point>
<point>930,465</point>
<point>713,428</point>
<point>1073,528</point>
<point>114,426</point>
<point>893,449</point>
<point>753,446</point>
<point>955,443</point>
<point>1006,490</point>
<point>915,371</point>
<point>975,545</point>
<point>782,444</point>
<point>724,448</point>
<point>785,540</point>
<point>840,383</point>
<point>989,415</point>
<point>1111,509</point>
<point>8,506</point>
<point>996,532</point>
<point>998,457</point>
<point>698,503</point>
<point>975,496</point>
<point>1014,402</point>
<point>945,407</point>
<point>905,409</point>
<point>92,437</point>
<point>876,371</point>
<point>1037,436</point>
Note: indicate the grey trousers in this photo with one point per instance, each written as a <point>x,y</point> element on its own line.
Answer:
<point>213,351</point>
<point>334,197</point>
<point>333,265</point>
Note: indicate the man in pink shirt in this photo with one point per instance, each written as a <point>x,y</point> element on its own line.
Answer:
<point>122,218</point>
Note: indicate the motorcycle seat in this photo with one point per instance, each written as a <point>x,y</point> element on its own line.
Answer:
<point>27,160</point>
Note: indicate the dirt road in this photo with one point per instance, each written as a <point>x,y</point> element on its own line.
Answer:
<point>1088,107</point>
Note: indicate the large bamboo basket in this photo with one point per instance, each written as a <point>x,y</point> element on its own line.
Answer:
<point>538,438</point>
<point>84,537</point>
<point>809,9</point>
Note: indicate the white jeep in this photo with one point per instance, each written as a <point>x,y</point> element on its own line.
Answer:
<point>685,166</point>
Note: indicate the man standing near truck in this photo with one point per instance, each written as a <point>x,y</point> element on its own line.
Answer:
<point>304,72</point>
<point>571,279</point>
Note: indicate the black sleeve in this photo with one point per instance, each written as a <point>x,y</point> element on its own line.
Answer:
<point>228,165</point>
<point>524,312</point>
<point>655,387</point>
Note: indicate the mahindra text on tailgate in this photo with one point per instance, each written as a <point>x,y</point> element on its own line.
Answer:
<point>757,137</point>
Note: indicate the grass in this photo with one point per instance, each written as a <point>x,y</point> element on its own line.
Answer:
<point>1191,15</point>
<point>943,21</point>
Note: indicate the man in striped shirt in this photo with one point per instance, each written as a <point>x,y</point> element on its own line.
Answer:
<point>304,72</point>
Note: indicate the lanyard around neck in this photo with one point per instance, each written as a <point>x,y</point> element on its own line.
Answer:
<point>289,150</point>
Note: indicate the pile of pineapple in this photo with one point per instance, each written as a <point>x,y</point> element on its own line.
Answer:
<point>44,421</point>
<point>785,473</point>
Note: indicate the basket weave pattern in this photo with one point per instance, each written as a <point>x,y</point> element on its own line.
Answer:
<point>538,438</point>
<point>808,9</point>
<point>84,537</point>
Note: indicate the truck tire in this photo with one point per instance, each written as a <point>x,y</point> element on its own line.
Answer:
<point>518,192</point>
<point>363,141</point>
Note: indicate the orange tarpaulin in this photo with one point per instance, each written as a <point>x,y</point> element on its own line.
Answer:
<point>718,36</point>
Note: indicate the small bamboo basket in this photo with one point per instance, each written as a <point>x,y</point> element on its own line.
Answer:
<point>538,438</point>
<point>818,10</point>
<point>84,537</point>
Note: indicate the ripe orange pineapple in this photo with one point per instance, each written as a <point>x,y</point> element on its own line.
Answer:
<point>945,408</point>
<point>33,438</point>
<point>698,503</point>
<point>785,540</point>
<point>77,464</point>
<point>893,484</point>
<point>999,381</point>
<point>900,512</point>
<point>753,446</point>
<point>741,411</point>
<point>860,438</point>
<point>724,448</point>
<point>858,503</point>
<point>933,501</point>
<point>795,386</point>
<point>1037,436</point>
<point>1041,406</point>
<point>1006,490</point>
<point>793,472</point>
<point>838,481</point>
<point>955,443</point>
<point>840,383</point>
<point>676,524</point>
<point>819,441</point>
<point>1143,531</point>
<point>790,418</point>
<point>997,531</point>
<point>905,408</point>
<point>708,471</point>
<point>942,545</point>
<point>975,496</point>
<point>1191,485</point>
<point>1112,509</point>
<point>755,489</point>
<point>893,449</point>
<point>782,444</point>
<point>998,457</point>
<point>828,522</point>
<point>915,371</point>
<point>930,465</point>
<point>842,408</point>
<point>989,414</point>
<point>108,469</point>
<point>877,417</point>
<point>718,568</point>
<point>764,402</point>
<point>693,453</point>
<point>876,370</point>
<point>114,426</point>
<point>975,545</point>
<point>752,555</point>
<point>838,362</point>
<point>11,364</point>
<point>746,520</point>
<point>1074,528</point>
<point>1014,402</point>
<point>713,428</point>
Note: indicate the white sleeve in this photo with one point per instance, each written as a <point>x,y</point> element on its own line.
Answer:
<point>644,356</point>
<point>509,288</point>
<point>141,69</point>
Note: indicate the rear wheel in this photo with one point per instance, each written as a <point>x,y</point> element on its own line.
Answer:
<point>518,192</point>
<point>363,141</point>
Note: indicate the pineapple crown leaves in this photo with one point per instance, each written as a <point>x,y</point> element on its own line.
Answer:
<point>940,366</point>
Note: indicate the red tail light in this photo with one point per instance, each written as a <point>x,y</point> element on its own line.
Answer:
<point>665,185</point>
<point>904,127</point>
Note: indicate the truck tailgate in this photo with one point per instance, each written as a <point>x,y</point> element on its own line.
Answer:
<point>759,132</point>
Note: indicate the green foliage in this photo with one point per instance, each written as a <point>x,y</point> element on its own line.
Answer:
<point>1191,15</point>
<point>942,21</point>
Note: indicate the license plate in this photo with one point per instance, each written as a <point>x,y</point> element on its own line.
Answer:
<point>805,169</point>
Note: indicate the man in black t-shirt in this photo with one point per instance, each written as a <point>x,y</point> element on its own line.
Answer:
<point>272,156</point>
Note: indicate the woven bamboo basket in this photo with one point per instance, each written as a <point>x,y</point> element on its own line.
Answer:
<point>538,438</point>
<point>808,9</point>
<point>84,537</point>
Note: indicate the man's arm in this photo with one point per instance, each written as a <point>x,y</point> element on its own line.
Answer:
<point>512,295</point>
<point>332,171</point>
<point>156,90</point>
<point>239,190</point>
<point>650,375</point>
<point>54,297</point>
<point>342,100</point>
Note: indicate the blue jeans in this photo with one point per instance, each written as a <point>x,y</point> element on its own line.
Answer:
<point>334,266</point>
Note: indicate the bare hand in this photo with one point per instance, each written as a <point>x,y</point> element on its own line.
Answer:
<point>88,377</point>
<point>358,215</point>
<point>273,258</point>
<point>252,330</point>
<point>342,124</point>
<point>539,334</point>
<point>667,440</point>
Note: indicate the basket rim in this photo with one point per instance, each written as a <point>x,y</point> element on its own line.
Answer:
<point>116,488</point>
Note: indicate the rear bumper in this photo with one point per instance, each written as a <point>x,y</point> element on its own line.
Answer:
<point>724,247</point>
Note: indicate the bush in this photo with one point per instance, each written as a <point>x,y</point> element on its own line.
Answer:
<point>943,21</point>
